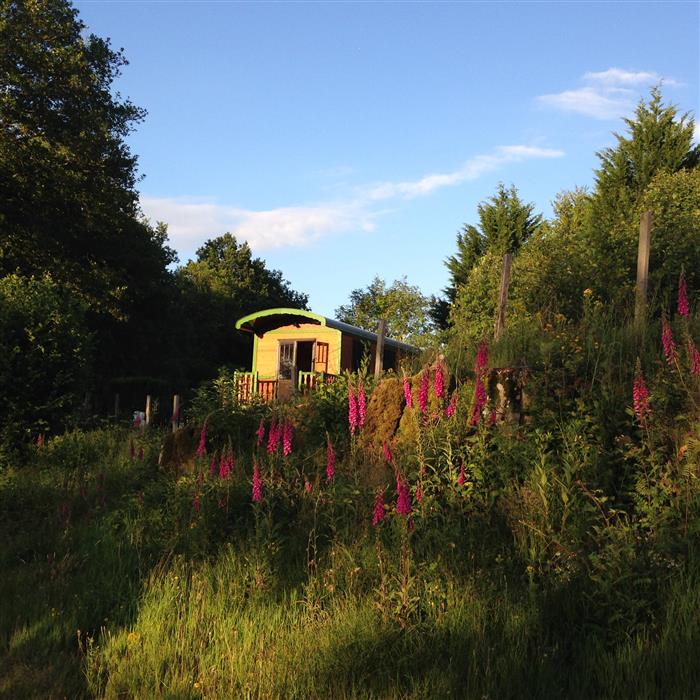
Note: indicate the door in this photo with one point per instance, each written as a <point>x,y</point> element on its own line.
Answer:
<point>321,362</point>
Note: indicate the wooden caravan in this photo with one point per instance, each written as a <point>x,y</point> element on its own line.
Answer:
<point>293,350</point>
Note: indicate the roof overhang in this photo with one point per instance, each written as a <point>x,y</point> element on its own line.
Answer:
<point>263,321</point>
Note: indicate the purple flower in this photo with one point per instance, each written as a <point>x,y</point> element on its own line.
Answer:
<point>482,357</point>
<point>273,437</point>
<point>403,499</point>
<point>330,461</point>
<point>361,406</point>
<point>407,391</point>
<point>387,453</point>
<point>352,410</point>
<point>668,342</point>
<point>419,494</point>
<point>683,306</point>
<point>423,391</point>
<point>257,484</point>
<point>308,486</point>
<point>260,433</point>
<point>288,434</point>
<point>439,382</point>
<point>694,357</point>
<point>452,406</point>
<point>480,399</point>
<point>196,503</point>
<point>202,447</point>
<point>640,398</point>
<point>461,479</point>
<point>378,510</point>
<point>40,441</point>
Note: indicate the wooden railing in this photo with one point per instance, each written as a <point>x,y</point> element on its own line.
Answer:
<point>309,380</point>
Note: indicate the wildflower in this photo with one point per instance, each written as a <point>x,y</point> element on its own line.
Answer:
<point>260,433</point>
<point>308,487</point>
<point>272,438</point>
<point>423,391</point>
<point>196,503</point>
<point>419,494</point>
<point>588,293</point>
<point>257,484</point>
<point>439,382</point>
<point>480,399</point>
<point>403,499</point>
<point>361,406</point>
<point>40,441</point>
<point>137,420</point>
<point>694,357</point>
<point>387,453</point>
<point>378,510</point>
<point>462,478</point>
<point>683,306</point>
<point>132,451</point>
<point>407,391</point>
<point>139,454</point>
<point>288,434</point>
<point>640,397</point>
<point>482,357</point>
<point>352,410</point>
<point>668,342</point>
<point>222,465</point>
<point>493,417</point>
<point>330,461</point>
<point>452,406</point>
<point>202,447</point>
<point>226,464</point>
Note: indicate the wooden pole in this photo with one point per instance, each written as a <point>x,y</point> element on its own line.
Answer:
<point>176,411</point>
<point>640,302</point>
<point>503,296</point>
<point>148,409</point>
<point>116,405</point>
<point>379,354</point>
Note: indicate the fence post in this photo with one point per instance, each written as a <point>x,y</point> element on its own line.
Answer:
<point>503,296</point>
<point>640,302</point>
<point>379,353</point>
<point>176,411</point>
<point>148,409</point>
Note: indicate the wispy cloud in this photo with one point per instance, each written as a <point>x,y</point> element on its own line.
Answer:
<point>191,221</point>
<point>606,94</point>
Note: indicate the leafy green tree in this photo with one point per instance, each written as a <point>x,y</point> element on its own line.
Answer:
<point>222,284</point>
<point>658,140</point>
<point>67,178</point>
<point>45,361</point>
<point>505,224</point>
<point>403,306</point>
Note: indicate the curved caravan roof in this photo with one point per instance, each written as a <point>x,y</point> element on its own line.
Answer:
<point>269,319</point>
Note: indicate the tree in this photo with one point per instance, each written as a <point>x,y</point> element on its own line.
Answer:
<point>403,306</point>
<point>505,224</point>
<point>224,283</point>
<point>67,177</point>
<point>657,140</point>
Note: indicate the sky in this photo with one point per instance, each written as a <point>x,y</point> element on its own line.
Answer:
<point>348,140</point>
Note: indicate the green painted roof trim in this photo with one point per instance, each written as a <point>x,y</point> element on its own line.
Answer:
<point>251,318</point>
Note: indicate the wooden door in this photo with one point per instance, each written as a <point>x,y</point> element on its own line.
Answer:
<point>321,363</point>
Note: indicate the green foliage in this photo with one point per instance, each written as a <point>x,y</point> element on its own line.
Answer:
<point>405,309</point>
<point>45,360</point>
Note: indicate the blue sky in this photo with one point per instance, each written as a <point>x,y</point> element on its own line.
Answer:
<point>348,140</point>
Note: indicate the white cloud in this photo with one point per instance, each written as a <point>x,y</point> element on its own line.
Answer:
<point>609,94</point>
<point>191,221</point>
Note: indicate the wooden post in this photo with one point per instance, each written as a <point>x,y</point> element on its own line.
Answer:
<point>176,412</point>
<point>379,353</point>
<point>640,302</point>
<point>503,296</point>
<point>116,405</point>
<point>148,409</point>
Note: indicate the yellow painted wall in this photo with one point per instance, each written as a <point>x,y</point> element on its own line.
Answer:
<point>268,345</point>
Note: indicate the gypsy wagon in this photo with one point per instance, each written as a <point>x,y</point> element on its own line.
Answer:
<point>293,350</point>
